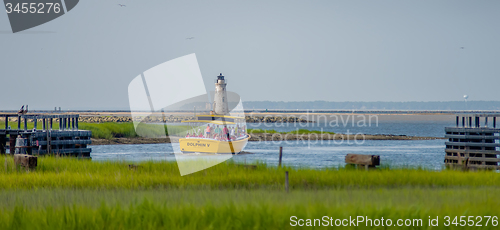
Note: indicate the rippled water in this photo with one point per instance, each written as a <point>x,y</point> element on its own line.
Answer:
<point>422,153</point>
<point>398,153</point>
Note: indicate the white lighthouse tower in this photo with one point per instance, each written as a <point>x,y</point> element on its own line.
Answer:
<point>220,98</point>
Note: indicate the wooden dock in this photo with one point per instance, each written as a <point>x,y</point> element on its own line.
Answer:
<point>472,145</point>
<point>67,140</point>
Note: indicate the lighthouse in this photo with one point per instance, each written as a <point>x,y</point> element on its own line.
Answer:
<point>220,98</point>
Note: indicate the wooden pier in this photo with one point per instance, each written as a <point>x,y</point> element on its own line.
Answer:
<point>472,145</point>
<point>66,140</point>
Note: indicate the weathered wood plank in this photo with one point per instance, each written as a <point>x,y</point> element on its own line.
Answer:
<point>359,159</point>
<point>26,161</point>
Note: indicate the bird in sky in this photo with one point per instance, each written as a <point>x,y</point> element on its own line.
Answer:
<point>121,5</point>
<point>462,47</point>
<point>190,38</point>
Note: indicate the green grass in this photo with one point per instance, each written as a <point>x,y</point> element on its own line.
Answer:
<point>55,172</point>
<point>233,209</point>
<point>299,131</point>
<point>67,193</point>
<point>108,130</point>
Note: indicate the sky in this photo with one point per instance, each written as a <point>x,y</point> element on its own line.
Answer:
<point>268,50</point>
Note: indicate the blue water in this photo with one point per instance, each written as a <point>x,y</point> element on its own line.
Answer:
<point>422,153</point>
<point>320,154</point>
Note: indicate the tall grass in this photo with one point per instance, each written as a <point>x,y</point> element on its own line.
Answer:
<point>54,172</point>
<point>108,130</point>
<point>299,131</point>
<point>234,209</point>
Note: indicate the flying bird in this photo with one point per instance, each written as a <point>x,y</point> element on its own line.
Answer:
<point>121,5</point>
<point>190,38</point>
<point>462,47</point>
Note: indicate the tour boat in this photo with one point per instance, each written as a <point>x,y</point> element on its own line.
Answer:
<point>216,141</point>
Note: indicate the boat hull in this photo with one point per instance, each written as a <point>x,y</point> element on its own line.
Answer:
<point>201,145</point>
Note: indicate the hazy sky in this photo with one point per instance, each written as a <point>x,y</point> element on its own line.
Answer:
<point>268,50</point>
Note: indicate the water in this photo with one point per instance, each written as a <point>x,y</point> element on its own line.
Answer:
<point>422,153</point>
<point>396,153</point>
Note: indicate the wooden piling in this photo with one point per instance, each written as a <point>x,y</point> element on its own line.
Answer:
<point>26,161</point>
<point>3,144</point>
<point>12,144</point>
<point>286,182</point>
<point>281,156</point>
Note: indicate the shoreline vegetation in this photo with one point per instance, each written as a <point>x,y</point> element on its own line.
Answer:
<point>67,193</point>
<point>108,133</point>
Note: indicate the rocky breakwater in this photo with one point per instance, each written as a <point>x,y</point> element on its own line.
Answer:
<point>275,119</point>
<point>177,119</point>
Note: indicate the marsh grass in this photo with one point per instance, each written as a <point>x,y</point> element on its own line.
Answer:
<point>108,130</point>
<point>67,193</point>
<point>57,172</point>
<point>232,209</point>
<point>299,131</point>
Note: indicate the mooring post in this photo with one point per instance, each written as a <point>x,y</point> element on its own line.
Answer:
<point>281,156</point>
<point>12,143</point>
<point>3,143</point>
<point>286,181</point>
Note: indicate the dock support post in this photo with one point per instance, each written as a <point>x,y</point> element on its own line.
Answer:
<point>18,122</point>
<point>494,122</point>
<point>73,123</point>
<point>458,120</point>
<point>25,124</point>
<point>3,143</point>
<point>12,144</point>
<point>35,123</point>
<point>281,155</point>
<point>486,122</point>
<point>286,181</point>
<point>6,122</point>
<point>76,123</point>
<point>463,122</point>
<point>60,124</point>
<point>50,123</point>
<point>470,122</point>
<point>44,126</point>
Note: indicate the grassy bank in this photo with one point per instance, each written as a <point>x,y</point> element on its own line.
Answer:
<point>109,130</point>
<point>66,193</point>
<point>54,172</point>
<point>299,131</point>
<point>234,209</point>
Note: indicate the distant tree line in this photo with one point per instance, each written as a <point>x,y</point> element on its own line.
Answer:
<point>412,105</point>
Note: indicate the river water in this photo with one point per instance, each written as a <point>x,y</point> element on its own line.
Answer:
<point>321,154</point>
